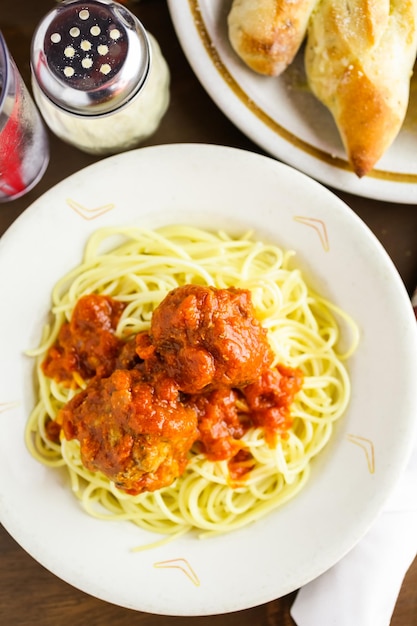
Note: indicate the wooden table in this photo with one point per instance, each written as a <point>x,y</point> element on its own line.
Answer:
<point>28,593</point>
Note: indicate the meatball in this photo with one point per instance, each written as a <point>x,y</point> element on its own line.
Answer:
<point>136,433</point>
<point>204,338</point>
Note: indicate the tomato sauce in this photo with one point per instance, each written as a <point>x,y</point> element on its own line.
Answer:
<point>269,400</point>
<point>86,345</point>
<point>199,379</point>
<point>220,426</point>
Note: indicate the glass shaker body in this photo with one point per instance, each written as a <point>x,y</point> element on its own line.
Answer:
<point>130,109</point>
<point>24,146</point>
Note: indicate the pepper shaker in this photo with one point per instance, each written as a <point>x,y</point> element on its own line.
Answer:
<point>98,77</point>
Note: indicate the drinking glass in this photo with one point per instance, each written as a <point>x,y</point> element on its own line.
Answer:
<point>24,148</point>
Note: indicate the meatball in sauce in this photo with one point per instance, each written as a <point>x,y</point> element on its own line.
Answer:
<point>136,433</point>
<point>197,381</point>
<point>204,338</point>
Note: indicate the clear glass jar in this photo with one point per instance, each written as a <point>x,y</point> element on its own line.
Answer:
<point>24,147</point>
<point>98,78</point>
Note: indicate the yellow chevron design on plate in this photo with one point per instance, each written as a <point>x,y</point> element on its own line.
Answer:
<point>181,564</point>
<point>319,226</point>
<point>368,447</point>
<point>6,406</point>
<point>89,214</point>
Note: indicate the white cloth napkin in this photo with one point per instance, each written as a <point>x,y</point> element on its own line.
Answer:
<point>362,589</point>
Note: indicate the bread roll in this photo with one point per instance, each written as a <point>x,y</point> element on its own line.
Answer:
<point>266,34</point>
<point>359,59</point>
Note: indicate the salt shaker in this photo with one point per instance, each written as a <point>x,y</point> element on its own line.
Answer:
<point>98,77</point>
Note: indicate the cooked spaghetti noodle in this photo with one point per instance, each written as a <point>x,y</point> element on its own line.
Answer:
<point>139,267</point>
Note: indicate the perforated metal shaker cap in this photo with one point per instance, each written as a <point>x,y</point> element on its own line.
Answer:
<point>90,57</point>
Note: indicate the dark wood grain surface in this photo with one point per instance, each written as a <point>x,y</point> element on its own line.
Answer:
<point>29,594</point>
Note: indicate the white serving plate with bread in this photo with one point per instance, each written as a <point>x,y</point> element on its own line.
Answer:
<point>281,114</point>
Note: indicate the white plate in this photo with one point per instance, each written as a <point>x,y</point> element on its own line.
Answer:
<point>281,116</point>
<point>213,187</point>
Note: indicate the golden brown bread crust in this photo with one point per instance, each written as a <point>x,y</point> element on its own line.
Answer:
<point>266,34</point>
<point>359,59</point>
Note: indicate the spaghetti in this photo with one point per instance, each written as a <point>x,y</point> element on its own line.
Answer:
<point>138,267</point>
